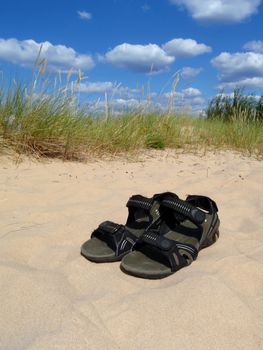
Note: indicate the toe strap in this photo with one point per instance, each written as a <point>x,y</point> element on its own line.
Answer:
<point>117,237</point>
<point>175,253</point>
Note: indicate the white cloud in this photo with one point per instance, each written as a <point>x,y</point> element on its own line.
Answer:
<point>189,72</point>
<point>185,93</point>
<point>95,87</point>
<point>122,98</point>
<point>179,47</point>
<point>113,88</point>
<point>140,58</point>
<point>219,10</point>
<point>190,99</point>
<point>120,105</point>
<point>248,83</point>
<point>127,103</point>
<point>85,15</point>
<point>152,58</point>
<point>61,57</point>
<point>191,92</point>
<point>240,69</point>
<point>127,92</point>
<point>254,45</point>
<point>238,66</point>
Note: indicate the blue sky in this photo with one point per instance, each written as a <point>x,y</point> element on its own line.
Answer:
<point>133,48</point>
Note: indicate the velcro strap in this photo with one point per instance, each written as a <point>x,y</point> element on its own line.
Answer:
<point>139,202</point>
<point>178,254</point>
<point>157,240</point>
<point>151,238</point>
<point>191,212</point>
<point>116,236</point>
<point>109,227</point>
<point>163,243</point>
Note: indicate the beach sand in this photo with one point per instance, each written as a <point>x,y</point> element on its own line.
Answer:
<point>52,298</point>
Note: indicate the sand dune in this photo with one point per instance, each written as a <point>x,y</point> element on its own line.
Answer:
<point>52,298</point>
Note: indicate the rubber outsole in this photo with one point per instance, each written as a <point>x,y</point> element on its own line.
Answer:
<point>145,276</point>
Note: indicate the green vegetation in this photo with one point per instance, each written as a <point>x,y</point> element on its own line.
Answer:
<point>53,125</point>
<point>235,108</point>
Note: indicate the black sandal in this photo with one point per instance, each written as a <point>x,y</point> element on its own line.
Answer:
<point>111,241</point>
<point>186,228</point>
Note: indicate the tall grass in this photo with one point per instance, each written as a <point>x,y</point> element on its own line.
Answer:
<point>51,123</point>
<point>237,106</point>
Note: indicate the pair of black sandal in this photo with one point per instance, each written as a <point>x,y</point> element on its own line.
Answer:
<point>162,234</point>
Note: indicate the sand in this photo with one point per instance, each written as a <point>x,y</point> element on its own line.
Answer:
<point>52,298</point>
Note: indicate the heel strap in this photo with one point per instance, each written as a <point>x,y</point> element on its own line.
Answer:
<point>138,201</point>
<point>186,209</point>
<point>203,202</point>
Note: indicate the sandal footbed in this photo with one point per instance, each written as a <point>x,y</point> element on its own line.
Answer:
<point>138,264</point>
<point>97,250</point>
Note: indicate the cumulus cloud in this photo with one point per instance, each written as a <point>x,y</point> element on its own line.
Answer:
<point>84,15</point>
<point>113,88</point>
<point>123,98</point>
<point>126,103</point>
<point>240,64</point>
<point>191,92</point>
<point>190,99</point>
<point>95,87</point>
<point>179,47</point>
<point>153,58</point>
<point>121,105</point>
<point>248,83</point>
<point>239,69</point>
<point>254,45</point>
<point>189,72</point>
<point>139,58</point>
<point>61,57</point>
<point>188,93</point>
<point>219,10</point>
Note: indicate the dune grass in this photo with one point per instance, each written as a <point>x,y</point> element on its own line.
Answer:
<point>237,106</point>
<point>54,125</point>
